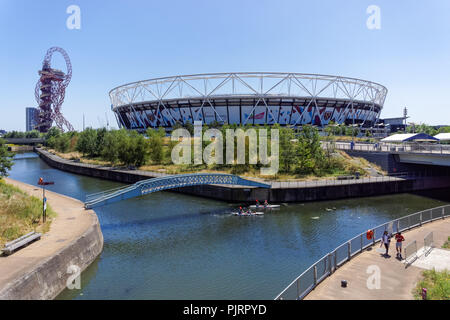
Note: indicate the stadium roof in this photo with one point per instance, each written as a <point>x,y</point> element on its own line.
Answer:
<point>443,136</point>
<point>405,137</point>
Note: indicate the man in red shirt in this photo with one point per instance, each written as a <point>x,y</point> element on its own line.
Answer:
<point>398,245</point>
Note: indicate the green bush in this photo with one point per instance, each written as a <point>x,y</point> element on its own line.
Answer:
<point>437,284</point>
<point>88,143</point>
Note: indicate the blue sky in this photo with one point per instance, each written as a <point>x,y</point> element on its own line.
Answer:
<point>125,41</point>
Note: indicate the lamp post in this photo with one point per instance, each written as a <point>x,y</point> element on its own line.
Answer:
<point>43,183</point>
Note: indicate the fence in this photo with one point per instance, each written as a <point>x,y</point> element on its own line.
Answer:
<point>410,252</point>
<point>428,243</point>
<point>325,266</point>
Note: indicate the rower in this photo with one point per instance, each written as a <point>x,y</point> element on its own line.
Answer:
<point>257,203</point>
<point>266,204</point>
<point>240,210</point>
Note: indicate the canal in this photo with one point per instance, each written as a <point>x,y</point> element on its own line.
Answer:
<point>172,246</point>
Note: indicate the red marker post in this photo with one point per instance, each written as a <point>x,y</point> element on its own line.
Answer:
<point>424,293</point>
<point>43,183</point>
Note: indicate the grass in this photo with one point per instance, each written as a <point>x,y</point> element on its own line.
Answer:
<point>437,284</point>
<point>446,245</point>
<point>20,213</point>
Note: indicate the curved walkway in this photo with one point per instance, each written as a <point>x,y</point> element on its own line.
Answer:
<point>396,281</point>
<point>72,223</point>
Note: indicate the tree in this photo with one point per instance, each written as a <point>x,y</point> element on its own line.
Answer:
<point>133,148</point>
<point>15,134</point>
<point>111,146</point>
<point>311,156</point>
<point>62,143</point>
<point>100,139</point>
<point>87,143</point>
<point>52,132</point>
<point>32,134</point>
<point>190,127</point>
<point>155,142</point>
<point>287,149</point>
<point>6,161</point>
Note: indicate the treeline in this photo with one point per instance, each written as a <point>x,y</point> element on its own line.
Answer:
<point>342,130</point>
<point>424,128</point>
<point>300,151</point>
<point>22,135</point>
<point>115,146</point>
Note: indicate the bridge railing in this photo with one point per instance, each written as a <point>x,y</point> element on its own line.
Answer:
<point>168,182</point>
<point>349,179</point>
<point>392,147</point>
<point>98,195</point>
<point>325,266</point>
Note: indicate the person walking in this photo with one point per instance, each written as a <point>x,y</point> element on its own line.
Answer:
<point>398,244</point>
<point>386,240</point>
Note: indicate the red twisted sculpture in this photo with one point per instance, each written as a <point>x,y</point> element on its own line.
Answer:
<point>50,92</point>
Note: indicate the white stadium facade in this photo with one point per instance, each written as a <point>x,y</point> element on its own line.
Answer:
<point>250,98</point>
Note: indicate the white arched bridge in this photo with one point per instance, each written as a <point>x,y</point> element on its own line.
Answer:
<point>169,182</point>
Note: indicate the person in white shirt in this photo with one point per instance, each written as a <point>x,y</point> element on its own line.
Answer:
<point>386,240</point>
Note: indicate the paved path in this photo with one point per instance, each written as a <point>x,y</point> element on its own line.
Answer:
<point>397,282</point>
<point>72,222</point>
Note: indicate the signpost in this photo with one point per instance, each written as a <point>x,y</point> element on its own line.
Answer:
<point>43,183</point>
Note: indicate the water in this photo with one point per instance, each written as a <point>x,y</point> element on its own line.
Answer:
<point>172,246</point>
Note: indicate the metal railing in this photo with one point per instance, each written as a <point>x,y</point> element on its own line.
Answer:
<point>325,266</point>
<point>392,147</point>
<point>345,179</point>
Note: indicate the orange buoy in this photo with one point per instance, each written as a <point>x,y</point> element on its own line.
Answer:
<point>369,234</point>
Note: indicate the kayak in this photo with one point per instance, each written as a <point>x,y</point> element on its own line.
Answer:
<point>248,214</point>
<point>269,206</point>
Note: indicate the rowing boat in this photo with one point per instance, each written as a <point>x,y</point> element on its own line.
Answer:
<point>269,206</point>
<point>248,214</point>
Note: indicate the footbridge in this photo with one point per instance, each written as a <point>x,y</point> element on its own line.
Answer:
<point>412,153</point>
<point>165,183</point>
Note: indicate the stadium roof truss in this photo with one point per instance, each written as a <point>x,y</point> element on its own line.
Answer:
<point>258,86</point>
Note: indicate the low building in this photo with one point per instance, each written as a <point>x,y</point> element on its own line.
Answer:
<point>395,124</point>
<point>409,137</point>
<point>443,137</point>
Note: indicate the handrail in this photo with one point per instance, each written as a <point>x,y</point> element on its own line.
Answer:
<point>391,147</point>
<point>364,243</point>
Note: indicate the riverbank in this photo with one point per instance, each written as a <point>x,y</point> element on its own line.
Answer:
<point>279,193</point>
<point>40,271</point>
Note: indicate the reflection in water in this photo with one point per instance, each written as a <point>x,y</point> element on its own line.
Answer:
<point>172,246</point>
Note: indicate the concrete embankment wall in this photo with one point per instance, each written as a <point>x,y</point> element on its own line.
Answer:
<point>20,148</point>
<point>243,194</point>
<point>391,163</point>
<point>49,278</point>
<point>40,271</point>
<point>320,193</point>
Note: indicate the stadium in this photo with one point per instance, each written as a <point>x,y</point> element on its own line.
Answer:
<point>292,99</point>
